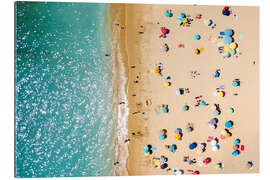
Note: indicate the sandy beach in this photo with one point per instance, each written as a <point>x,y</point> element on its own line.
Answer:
<point>140,43</point>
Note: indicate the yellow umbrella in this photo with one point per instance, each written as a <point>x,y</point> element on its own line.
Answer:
<point>177,136</point>
<point>220,94</point>
<point>157,163</point>
<point>197,51</point>
<point>228,135</point>
<point>167,84</point>
<point>233,45</point>
<point>227,48</point>
<point>157,70</point>
<point>185,20</point>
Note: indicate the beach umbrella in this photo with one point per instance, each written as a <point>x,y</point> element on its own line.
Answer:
<point>182,15</point>
<point>146,148</point>
<point>228,124</point>
<point>206,161</point>
<point>197,37</point>
<point>162,137</point>
<point>230,110</point>
<point>250,164</point>
<point>226,49</point>
<point>235,153</point>
<point>164,30</point>
<point>165,48</point>
<point>167,78</point>
<point>164,110</point>
<point>177,136</point>
<point>168,84</point>
<point>168,14</point>
<point>235,83</point>
<point>217,112</point>
<point>219,166</point>
<point>185,108</point>
<point>157,70</point>
<point>180,19</point>
<point>228,40</point>
<point>220,94</point>
<point>203,103</point>
<point>213,121</point>
<point>192,146</point>
<point>196,51</point>
<point>227,55</point>
<point>164,166</point>
<point>217,74</point>
<point>226,11</point>
<point>181,90</point>
<point>242,147</point>
<point>157,163</point>
<point>235,147</point>
<point>228,135</point>
<point>232,51</point>
<point>228,32</point>
<point>236,142</point>
<point>185,20</point>
<point>172,148</point>
<point>233,45</point>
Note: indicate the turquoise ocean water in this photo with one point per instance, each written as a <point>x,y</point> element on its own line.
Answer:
<point>64,90</point>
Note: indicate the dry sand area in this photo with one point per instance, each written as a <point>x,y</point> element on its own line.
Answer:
<point>142,35</point>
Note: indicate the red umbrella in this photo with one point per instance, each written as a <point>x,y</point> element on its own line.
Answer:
<point>164,30</point>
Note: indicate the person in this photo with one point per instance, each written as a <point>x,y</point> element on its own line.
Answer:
<point>168,13</point>
<point>172,147</point>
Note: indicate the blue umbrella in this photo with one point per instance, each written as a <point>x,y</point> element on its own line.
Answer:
<point>162,137</point>
<point>217,74</point>
<point>228,40</point>
<point>236,142</point>
<point>213,121</point>
<point>228,32</point>
<point>168,14</point>
<point>164,110</point>
<point>203,103</point>
<point>228,124</point>
<point>227,55</point>
<point>179,130</point>
<point>216,112</point>
<point>192,146</point>
<point>145,148</point>
<point>232,51</point>
<point>235,153</point>
<point>226,12</point>
<point>197,37</point>
<point>235,83</point>
<point>185,108</point>
<point>230,110</point>
<point>182,15</point>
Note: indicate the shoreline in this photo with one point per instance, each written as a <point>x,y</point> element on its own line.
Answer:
<point>120,78</point>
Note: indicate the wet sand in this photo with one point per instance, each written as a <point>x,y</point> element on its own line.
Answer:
<point>142,45</point>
